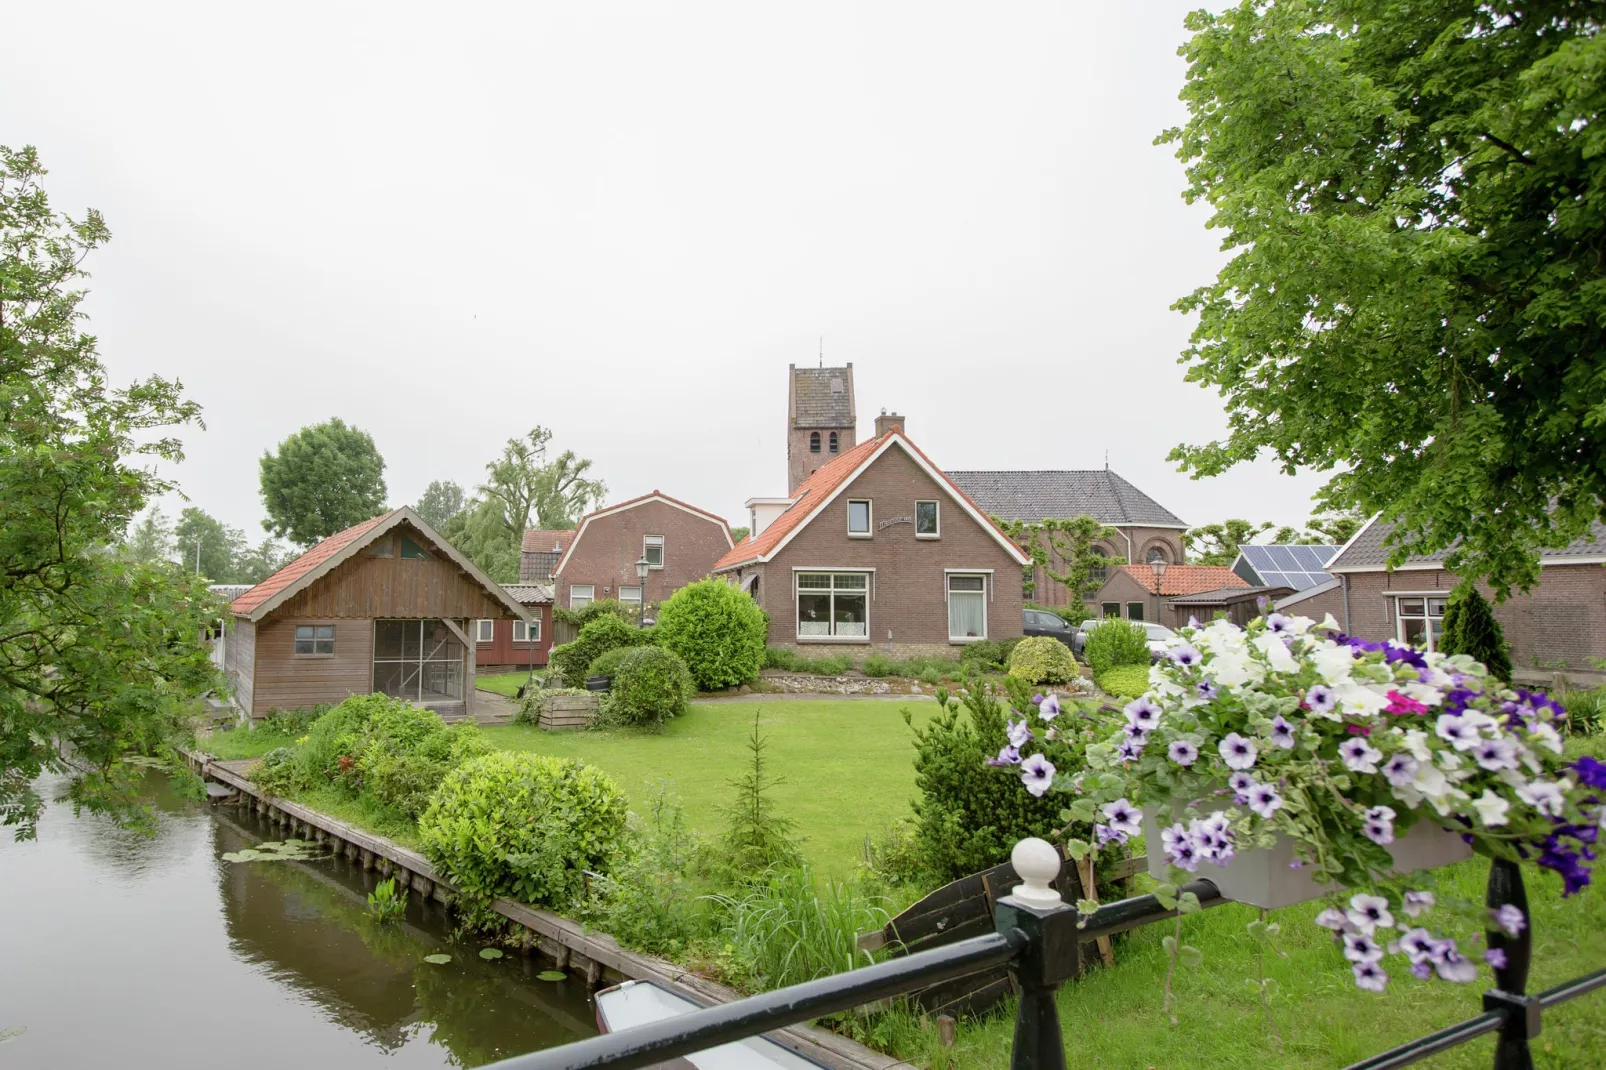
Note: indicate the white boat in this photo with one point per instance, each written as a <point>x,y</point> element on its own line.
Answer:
<point>640,1002</point>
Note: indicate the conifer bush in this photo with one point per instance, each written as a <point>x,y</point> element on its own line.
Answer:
<point>1470,628</point>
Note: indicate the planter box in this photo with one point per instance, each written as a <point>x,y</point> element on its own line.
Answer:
<point>569,711</point>
<point>1262,878</point>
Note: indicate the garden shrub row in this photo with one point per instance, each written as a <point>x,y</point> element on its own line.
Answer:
<point>1115,642</point>
<point>1125,681</point>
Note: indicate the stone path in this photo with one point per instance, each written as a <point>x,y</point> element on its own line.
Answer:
<point>492,709</point>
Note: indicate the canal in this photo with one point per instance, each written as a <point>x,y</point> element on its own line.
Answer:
<point>153,953</point>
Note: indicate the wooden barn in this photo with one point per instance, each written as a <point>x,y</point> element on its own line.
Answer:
<point>384,606</point>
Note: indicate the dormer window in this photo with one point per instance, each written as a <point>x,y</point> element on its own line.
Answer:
<point>814,442</point>
<point>833,441</point>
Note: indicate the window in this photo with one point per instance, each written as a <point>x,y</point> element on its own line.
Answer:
<point>928,520</point>
<point>382,548</point>
<point>859,518</point>
<point>1100,573</point>
<point>527,633</point>
<point>967,607</point>
<point>833,605</point>
<point>518,632</point>
<point>484,631</point>
<point>814,442</point>
<point>630,596</point>
<point>1156,553</point>
<point>652,548</point>
<point>833,441</point>
<point>1134,611</point>
<point>412,550</point>
<point>582,595</point>
<point>1109,609</point>
<point>418,660</point>
<point>1421,621</point>
<point>315,640</point>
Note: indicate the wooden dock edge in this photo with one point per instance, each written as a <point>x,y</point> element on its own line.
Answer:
<point>596,955</point>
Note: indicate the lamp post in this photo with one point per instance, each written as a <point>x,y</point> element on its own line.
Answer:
<point>641,575</point>
<point>1158,564</point>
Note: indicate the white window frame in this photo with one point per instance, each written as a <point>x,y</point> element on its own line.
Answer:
<point>798,590</point>
<point>519,634</point>
<point>485,631</point>
<point>316,638</point>
<point>628,599</point>
<point>647,543</point>
<point>869,518</point>
<point>586,599</point>
<point>935,504</point>
<point>948,592</point>
<point>1427,616</point>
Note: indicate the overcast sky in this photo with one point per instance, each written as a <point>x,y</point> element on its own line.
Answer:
<point>446,224</point>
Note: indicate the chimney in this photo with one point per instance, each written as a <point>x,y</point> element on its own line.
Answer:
<point>887,421</point>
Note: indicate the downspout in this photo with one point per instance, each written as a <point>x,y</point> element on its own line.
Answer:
<point>1343,583</point>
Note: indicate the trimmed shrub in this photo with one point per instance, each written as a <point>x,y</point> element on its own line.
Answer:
<point>717,630</point>
<point>605,632</point>
<point>525,826</point>
<point>650,685</point>
<point>1470,628</point>
<point>1042,659</point>
<point>608,663</point>
<point>588,613</point>
<point>1116,642</point>
<point>1125,681</point>
<point>780,657</point>
<point>989,655</point>
<point>403,753</point>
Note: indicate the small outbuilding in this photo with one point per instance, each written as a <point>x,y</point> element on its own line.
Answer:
<point>384,606</point>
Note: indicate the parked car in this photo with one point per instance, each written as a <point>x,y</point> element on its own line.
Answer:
<point>1042,622</point>
<point>1160,637</point>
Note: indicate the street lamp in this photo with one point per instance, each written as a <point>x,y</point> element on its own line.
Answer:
<point>1158,564</point>
<point>642,565</point>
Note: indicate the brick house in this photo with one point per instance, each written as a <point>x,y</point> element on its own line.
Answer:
<point>1145,530</point>
<point>506,645</point>
<point>1556,627</point>
<point>680,542</point>
<point>879,550</point>
<point>539,553</point>
<point>1131,592</point>
<point>821,419</point>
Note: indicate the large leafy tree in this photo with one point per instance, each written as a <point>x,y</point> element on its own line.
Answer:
<point>1414,199</point>
<point>207,547</point>
<point>99,654</point>
<point>253,564</point>
<point>150,540</point>
<point>528,487</point>
<point>1218,544</point>
<point>441,500</point>
<point>323,479</point>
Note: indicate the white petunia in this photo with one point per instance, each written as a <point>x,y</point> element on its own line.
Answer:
<point>1545,735</point>
<point>1334,662</point>
<point>1491,809</point>
<point>1547,796</point>
<point>1416,741</point>
<point>1276,654</point>
<point>1359,700</point>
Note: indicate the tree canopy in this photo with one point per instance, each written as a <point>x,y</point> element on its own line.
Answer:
<point>1414,200</point>
<point>100,654</point>
<point>441,500</point>
<point>1068,544</point>
<point>1218,544</point>
<point>323,479</point>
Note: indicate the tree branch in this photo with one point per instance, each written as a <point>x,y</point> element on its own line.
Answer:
<point>1510,148</point>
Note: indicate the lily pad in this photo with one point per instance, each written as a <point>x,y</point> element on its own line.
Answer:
<point>439,960</point>
<point>551,975</point>
<point>278,851</point>
<point>489,953</point>
<point>12,1032</point>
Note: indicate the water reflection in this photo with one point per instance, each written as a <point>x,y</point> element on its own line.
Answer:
<point>151,951</point>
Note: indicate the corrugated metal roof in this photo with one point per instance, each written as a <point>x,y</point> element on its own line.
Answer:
<point>1369,551</point>
<point>1064,495</point>
<point>1223,595</point>
<point>823,397</point>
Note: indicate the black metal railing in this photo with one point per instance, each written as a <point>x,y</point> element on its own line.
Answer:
<point>1038,939</point>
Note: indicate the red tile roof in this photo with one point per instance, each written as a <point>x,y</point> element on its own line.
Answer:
<point>304,564</point>
<point>1187,579</point>
<point>537,541</point>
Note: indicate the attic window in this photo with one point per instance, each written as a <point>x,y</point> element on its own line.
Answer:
<point>413,551</point>
<point>814,442</point>
<point>381,548</point>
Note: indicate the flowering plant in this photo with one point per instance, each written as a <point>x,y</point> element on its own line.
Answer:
<point>1289,729</point>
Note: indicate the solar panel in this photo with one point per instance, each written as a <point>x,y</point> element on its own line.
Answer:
<point>1276,579</point>
<point>1281,558</point>
<point>1314,558</point>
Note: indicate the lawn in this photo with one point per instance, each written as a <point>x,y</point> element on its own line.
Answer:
<point>847,764</point>
<point>503,683</point>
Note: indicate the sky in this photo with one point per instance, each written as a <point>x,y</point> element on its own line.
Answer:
<point>447,224</point>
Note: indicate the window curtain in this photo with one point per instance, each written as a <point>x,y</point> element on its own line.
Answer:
<point>967,614</point>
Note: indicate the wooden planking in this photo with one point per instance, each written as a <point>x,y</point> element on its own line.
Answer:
<point>369,586</point>
<point>239,652</point>
<point>289,682</point>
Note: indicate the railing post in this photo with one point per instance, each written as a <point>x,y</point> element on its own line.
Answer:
<point>1511,1050</point>
<point>1049,958</point>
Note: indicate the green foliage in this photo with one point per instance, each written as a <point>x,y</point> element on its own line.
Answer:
<point>403,753</point>
<point>650,685</point>
<point>1586,709</point>
<point>893,858</point>
<point>756,837</point>
<point>1042,659</point>
<point>526,488</point>
<point>101,655</point>
<point>1071,544</point>
<point>292,723</point>
<point>333,737</point>
<point>788,660</point>
<point>588,613</point>
<point>523,825</point>
<point>990,655</point>
<point>1125,681</point>
<point>738,534</point>
<point>607,662</point>
<point>1470,628</point>
<point>386,904</point>
<point>1218,544</point>
<point>717,630</point>
<point>969,816</point>
<point>276,772</point>
<point>478,533</point>
<point>150,541</point>
<point>218,545</point>
<point>796,926</point>
<point>605,632</point>
<point>1412,198</point>
<point>323,479</point>
<point>1115,642</point>
<point>653,900</point>
<point>441,500</point>
<point>535,699</point>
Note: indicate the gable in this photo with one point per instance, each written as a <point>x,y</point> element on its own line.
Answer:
<point>651,514</point>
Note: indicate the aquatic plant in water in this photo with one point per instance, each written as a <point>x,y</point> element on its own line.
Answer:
<point>278,851</point>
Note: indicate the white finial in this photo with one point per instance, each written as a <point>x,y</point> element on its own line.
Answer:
<point>1037,863</point>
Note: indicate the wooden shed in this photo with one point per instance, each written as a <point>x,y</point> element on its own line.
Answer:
<point>384,606</point>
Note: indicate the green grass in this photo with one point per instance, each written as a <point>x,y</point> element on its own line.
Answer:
<point>504,683</point>
<point>848,765</point>
<point>244,743</point>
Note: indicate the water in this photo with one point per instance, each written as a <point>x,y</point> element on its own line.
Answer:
<point>118,949</point>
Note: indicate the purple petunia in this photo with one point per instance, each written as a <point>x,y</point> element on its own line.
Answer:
<point>1107,835</point>
<point>1142,713</point>
<point>1019,733</point>
<point>1334,919</point>
<point>1129,751</point>
<point>1136,733</point>
<point>1241,784</point>
<point>1359,756</point>
<point>1008,756</point>
<point>1415,904</point>
<point>1418,945</point>
<point>1207,690</point>
<point>1123,817</point>
<point>1264,800</point>
<point>1454,730</point>
<point>1369,912</point>
<point>1037,773</point>
<point>1451,965</point>
<point>1370,977</point>
<point>1400,769</point>
<point>1180,849</point>
<point>1049,708</point>
<point>1185,654</point>
<point>1321,699</point>
<point>1495,754</point>
<point>1183,753</point>
<point>1509,919</point>
<point>1277,624</point>
<point>1282,733</point>
<point>1496,958</point>
<point>1360,947</point>
<point>1379,825</point>
<point>1237,752</point>
<point>1591,772</point>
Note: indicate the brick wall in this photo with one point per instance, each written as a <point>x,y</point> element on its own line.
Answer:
<point>605,554</point>
<point>1049,592</point>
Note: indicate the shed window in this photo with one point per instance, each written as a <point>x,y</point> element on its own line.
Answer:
<point>833,441</point>
<point>859,518</point>
<point>833,605</point>
<point>315,640</point>
<point>1134,611</point>
<point>814,442</point>
<point>652,548</point>
<point>485,631</point>
<point>967,607</point>
<point>411,550</point>
<point>928,520</point>
<point>527,633</point>
<point>582,595</point>
<point>382,548</point>
<point>1109,609</point>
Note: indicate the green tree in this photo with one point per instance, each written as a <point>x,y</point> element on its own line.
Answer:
<point>525,488</point>
<point>1071,543</point>
<point>738,534</point>
<point>205,546</point>
<point>1335,528</point>
<point>1218,544</point>
<point>441,500</point>
<point>1413,198</point>
<point>478,531</point>
<point>253,564</point>
<point>150,540</point>
<point>324,479</point>
<point>99,655</point>
<point>1470,628</point>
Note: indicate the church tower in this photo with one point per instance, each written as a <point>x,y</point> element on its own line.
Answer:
<point>821,420</point>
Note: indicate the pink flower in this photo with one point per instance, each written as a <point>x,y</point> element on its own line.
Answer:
<point>1404,706</point>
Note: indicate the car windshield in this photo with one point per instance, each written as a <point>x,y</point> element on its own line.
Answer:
<point>1159,631</point>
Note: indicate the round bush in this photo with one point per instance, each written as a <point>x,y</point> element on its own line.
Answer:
<point>650,685</point>
<point>608,664</point>
<point>1042,660</point>
<point>405,754</point>
<point>1125,681</point>
<point>717,630</point>
<point>602,634</point>
<point>1116,642</point>
<point>524,826</point>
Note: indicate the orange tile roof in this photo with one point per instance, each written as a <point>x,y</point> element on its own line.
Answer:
<point>538,541</point>
<point>1187,579</point>
<point>304,564</point>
